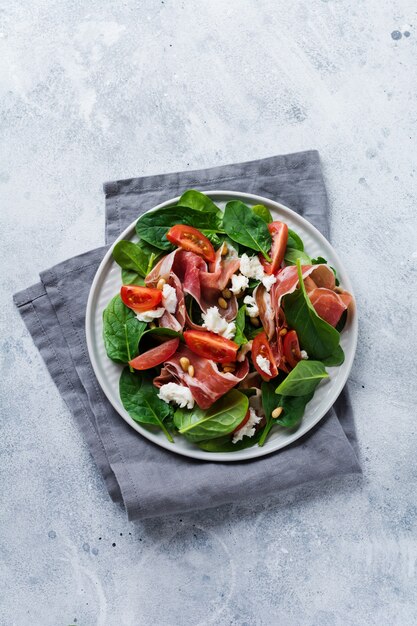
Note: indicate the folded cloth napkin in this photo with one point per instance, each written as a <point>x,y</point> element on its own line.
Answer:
<point>149,480</point>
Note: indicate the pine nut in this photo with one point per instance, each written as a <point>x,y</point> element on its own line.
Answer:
<point>185,363</point>
<point>226,293</point>
<point>228,370</point>
<point>277,412</point>
<point>161,283</point>
<point>222,303</point>
<point>338,290</point>
<point>225,249</point>
<point>283,332</point>
<point>254,321</point>
<point>191,370</point>
<point>152,325</point>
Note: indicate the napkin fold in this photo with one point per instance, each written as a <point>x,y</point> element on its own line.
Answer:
<point>151,481</point>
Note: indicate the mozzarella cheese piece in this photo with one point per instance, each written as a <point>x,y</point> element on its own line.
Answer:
<point>148,316</point>
<point>264,364</point>
<point>304,355</point>
<point>212,320</point>
<point>268,281</point>
<point>172,392</point>
<point>248,429</point>
<point>239,283</point>
<point>251,267</point>
<point>169,298</point>
<point>251,306</point>
<point>247,347</point>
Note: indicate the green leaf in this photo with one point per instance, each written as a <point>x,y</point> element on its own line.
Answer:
<point>337,358</point>
<point>314,334</point>
<point>199,201</point>
<point>121,331</point>
<point>129,277</point>
<point>247,228</point>
<point>303,379</point>
<point>263,212</point>
<point>220,419</point>
<point>160,331</point>
<point>225,444</point>
<point>153,226</point>
<point>269,403</point>
<point>130,257</point>
<point>294,240</point>
<point>140,399</point>
<point>240,322</point>
<point>292,254</point>
<point>294,408</point>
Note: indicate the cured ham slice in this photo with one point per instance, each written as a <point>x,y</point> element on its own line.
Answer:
<point>328,304</point>
<point>176,320</point>
<point>208,383</point>
<point>197,281</point>
<point>266,311</point>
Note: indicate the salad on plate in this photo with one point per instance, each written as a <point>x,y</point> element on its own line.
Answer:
<point>224,323</point>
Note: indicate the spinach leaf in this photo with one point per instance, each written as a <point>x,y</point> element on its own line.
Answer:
<point>303,379</point>
<point>247,228</point>
<point>293,409</point>
<point>294,240</point>
<point>292,254</point>
<point>199,201</point>
<point>263,212</point>
<point>160,331</point>
<point>220,419</point>
<point>334,359</point>
<point>315,335</point>
<point>140,399</point>
<point>320,261</point>
<point>225,444</point>
<point>121,331</point>
<point>136,257</point>
<point>129,277</point>
<point>342,322</point>
<point>153,227</point>
<point>240,322</point>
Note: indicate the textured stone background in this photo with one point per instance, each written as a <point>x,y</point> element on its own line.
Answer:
<point>103,90</point>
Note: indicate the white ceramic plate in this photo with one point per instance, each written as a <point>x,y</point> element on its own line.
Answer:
<point>107,283</point>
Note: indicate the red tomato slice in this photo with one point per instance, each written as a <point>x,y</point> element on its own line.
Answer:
<point>191,239</point>
<point>279,233</point>
<point>211,346</point>
<point>155,356</point>
<point>140,298</point>
<point>291,348</point>
<point>261,347</point>
<point>243,422</point>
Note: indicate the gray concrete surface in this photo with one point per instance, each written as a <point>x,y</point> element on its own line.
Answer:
<point>103,90</point>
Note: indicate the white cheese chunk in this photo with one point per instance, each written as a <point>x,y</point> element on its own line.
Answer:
<point>148,316</point>
<point>251,306</point>
<point>239,283</point>
<point>212,320</point>
<point>169,298</point>
<point>172,392</point>
<point>304,355</point>
<point>264,364</point>
<point>251,267</point>
<point>268,281</point>
<point>248,429</point>
<point>247,347</point>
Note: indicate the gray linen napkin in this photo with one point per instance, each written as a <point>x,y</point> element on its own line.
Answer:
<point>149,480</point>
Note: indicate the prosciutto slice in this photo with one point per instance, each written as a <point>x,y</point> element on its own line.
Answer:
<point>328,304</point>
<point>208,384</point>
<point>266,310</point>
<point>204,286</point>
<point>176,320</point>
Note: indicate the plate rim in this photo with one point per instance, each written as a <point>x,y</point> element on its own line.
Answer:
<point>254,452</point>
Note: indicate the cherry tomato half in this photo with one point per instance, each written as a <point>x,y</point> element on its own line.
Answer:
<point>279,233</point>
<point>243,422</point>
<point>155,356</point>
<point>211,346</point>
<point>191,239</point>
<point>261,347</point>
<point>291,348</point>
<point>140,298</point>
